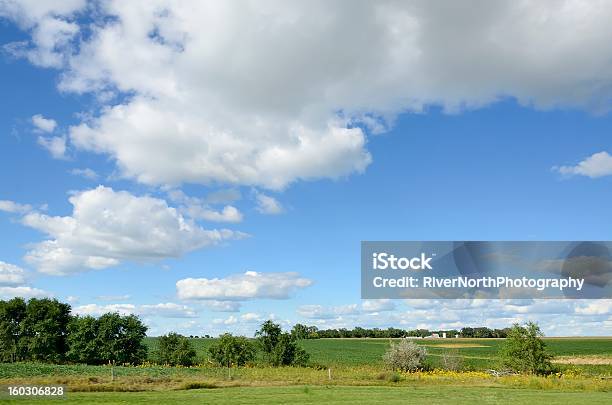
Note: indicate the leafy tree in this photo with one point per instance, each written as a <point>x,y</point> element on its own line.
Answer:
<point>300,331</point>
<point>288,353</point>
<point>83,341</point>
<point>268,336</point>
<point>43,330</point>
<point>121,338</point>
<point>11,314</point>
<point>175,349</point>
<point>232,350</point>
<point>525,351</point>
<point>280,349</point>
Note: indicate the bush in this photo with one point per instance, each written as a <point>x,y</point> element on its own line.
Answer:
<point>451,360</point>
<point>232,350</point>
<point>405,356</point>
<point>524,350</point>
<point>175,350</point>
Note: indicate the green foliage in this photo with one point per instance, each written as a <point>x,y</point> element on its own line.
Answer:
<point>268,336</point>
<point>110,338</point>
<point>83,341</point>
<point>405,356</point>
<point>232,350</point>
<point>281,349</point>
<point>175,349</point>
<point>121,338</point>
<point>525,351</point>
<point>11,314</point>
<point>299,331</point>
<point>42,330</point>
<point>288,353</point>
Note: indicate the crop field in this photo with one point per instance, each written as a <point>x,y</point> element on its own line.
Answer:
<point>344,371</point>
<point>477,354</point>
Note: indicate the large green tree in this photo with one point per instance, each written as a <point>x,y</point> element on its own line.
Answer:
<point>232,350</point>
<point>174,349</point>
<point>43,330</point>
<point>121,338</point>
<point>83,340</point>
<point>11,314</point>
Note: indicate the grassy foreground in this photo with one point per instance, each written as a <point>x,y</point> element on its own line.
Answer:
<point>341,395</point>
<point>357,376</point>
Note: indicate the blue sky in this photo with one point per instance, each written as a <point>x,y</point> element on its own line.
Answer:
<point>200,160</point>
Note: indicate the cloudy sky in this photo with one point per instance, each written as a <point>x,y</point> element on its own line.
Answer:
<point>207,165</point>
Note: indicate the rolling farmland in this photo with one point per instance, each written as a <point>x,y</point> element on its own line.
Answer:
<point>354,363</point>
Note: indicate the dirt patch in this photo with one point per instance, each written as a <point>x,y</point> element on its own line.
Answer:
<point>456,345</point>
<point>585,360</point>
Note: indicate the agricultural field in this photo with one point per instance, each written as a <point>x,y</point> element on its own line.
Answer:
<point>341,369</point>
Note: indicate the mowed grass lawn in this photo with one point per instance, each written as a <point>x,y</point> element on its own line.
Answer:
<point>340,395</point>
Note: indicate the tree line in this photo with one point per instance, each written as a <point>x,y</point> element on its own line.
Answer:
<point>45,330</point>
<point>312,332</point>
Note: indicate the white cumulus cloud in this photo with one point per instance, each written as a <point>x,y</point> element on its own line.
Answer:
<point>11,274</point>
<point>43,124</point>
<point>249,285</point>
<point>264,94</point>
<point>108,227</point>
<point>597,165</point>
<point>14,208</point>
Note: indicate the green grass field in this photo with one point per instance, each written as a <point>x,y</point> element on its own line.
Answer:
<point>355,363</point>
<point>342,395</point>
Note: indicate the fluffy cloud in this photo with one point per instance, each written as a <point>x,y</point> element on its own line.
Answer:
<point>168,310</point>
<point>22,291</point>
<point>595,307</point>
<point>163,310</point>
<point>198,208</point>
<point>266,94</point>
<point>377,305</point>
<point>56,145</point>
<point>249,285</point>
<point>223,306</point>
<point>12,280</point>
<point>268,205</point>
<point>43,124</point>
<point>11,274</point>
<point>597,165</point>
<point>97,310</point>
<point>331,312</point>
<point>14,208</point>
<point>108,227</point>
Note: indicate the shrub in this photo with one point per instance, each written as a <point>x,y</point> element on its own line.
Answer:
<point>405,356</point>
<point>232,350</point>
<point>525,351</point>
<point>451,360</point>
<point>175,350</point>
